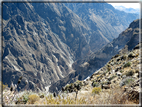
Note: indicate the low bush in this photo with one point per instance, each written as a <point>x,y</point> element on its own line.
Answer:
<point>108,68</point>
<point>95,84</point>
<point>127,65</point>
<point>124,57</point>
<point>23,99</point>
<point>96,90</point>
<point>33,98</point>
<point>127,81</point>
<point>129,73</point>
<point>112,77</point>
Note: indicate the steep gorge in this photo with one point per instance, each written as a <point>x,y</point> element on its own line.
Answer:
<point>35,45</point>
<point>128,39</point>
<point>41,41</point>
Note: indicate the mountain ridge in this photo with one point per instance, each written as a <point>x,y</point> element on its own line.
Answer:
<point>40,46</point>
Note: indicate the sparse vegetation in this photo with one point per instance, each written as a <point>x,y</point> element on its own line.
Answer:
<point>33,98</point>
<point>124,57</point>
<point>23,99</point>
<point>112,77</point>
<point>128,64</point>
<point>127,81</point>
<point>96,90</point>
<point>3,85</point>
<point>129,73</point>
<point>108,88</point>
<point>95,84</point>
<point>68,100</point>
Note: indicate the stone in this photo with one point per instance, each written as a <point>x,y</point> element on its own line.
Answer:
<point>105,86</point>
<point>118,73</point>
<point>41,96</point>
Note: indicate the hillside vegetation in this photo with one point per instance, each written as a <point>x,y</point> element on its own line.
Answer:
<point>115,83</point>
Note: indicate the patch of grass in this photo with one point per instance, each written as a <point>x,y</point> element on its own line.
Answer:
<point>67,100</point>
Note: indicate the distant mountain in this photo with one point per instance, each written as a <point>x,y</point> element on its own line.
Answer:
<point>105,21</point>
<point>129,37</point>
<point>128,10</point>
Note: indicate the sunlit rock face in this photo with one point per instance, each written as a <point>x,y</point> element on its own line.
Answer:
<point>40,45</point>
<point>128,39</point>
<point>105,21</point>
<point>41,41</point>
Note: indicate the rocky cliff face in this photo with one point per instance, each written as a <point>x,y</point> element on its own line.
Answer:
<point>102,18</point>
<point>39,46</point>
<point>100,58</point>
<point>42,40</point>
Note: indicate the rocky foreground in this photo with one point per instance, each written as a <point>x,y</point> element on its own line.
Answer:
<point>118,82</point>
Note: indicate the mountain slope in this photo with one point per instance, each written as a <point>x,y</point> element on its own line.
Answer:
<point>41,41</point>
<point>39,46</point>
<point>100,58</point>
<point>118,82</point>
<point>105,21</point>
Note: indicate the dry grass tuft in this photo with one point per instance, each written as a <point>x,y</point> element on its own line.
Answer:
<point>96,90</point>
<point>33,98</point>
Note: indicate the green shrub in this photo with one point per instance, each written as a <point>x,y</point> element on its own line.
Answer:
<point>128,81</point>
<point>130,73</point>
<point>124,57</point>
<point>23,99</point>
<point>128,64</point>
<point>112,77</point>
<point>95,84</point>
<point>108,68</point>
<point>96,90</point>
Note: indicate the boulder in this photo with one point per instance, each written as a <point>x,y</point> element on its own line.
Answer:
<point>118,73</point>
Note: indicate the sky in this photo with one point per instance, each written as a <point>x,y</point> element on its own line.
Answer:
<point>127,5</point>
<point>135,5</point>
